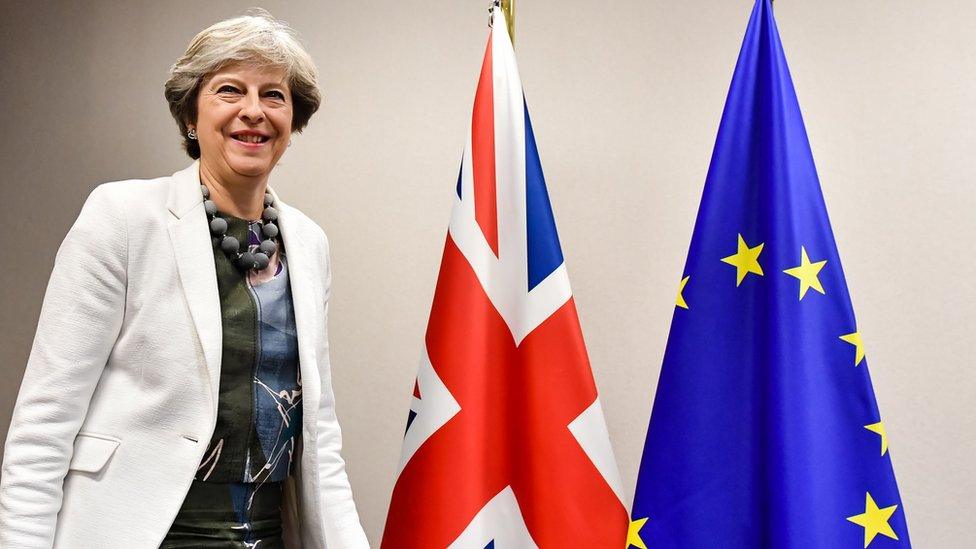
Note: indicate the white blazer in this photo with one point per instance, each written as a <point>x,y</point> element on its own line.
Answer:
<point>119,399</point>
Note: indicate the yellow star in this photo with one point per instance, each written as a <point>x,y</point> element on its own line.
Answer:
<point>879,428</point>
<point>745,260</point>
<point>855,340</point>
<point>807,273</point>
<point>874,520</point>
<point>680,302</point>
<point>633,533</point>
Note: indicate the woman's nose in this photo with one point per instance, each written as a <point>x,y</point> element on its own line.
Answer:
<point>251,110</point>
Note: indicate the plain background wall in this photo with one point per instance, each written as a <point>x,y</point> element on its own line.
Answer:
<point>626,98</point>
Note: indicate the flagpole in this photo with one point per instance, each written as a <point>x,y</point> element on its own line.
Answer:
<point>508,8</point>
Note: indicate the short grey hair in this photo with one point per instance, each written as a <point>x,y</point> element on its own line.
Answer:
<point>254,38</point>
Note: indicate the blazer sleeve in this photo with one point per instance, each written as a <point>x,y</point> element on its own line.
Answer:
<point>342,526</point>
<point>80,319</point>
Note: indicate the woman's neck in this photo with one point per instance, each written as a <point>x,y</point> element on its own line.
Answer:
<point>241,196</point>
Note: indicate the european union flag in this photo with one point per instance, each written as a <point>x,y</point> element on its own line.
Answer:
<point>765,431</point>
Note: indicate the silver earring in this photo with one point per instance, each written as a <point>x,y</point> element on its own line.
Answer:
<point>192,133</point>
<point>289,142</point>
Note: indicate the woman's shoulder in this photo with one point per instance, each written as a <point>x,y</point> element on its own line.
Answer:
<point>134,198</point>
<point>307,226</point>
<point>106,219</point>
<point>138,205</point>
<point>311,233</point>
<point>134,191</point>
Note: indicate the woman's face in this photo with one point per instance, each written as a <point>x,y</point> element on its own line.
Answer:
<point>244,115</point>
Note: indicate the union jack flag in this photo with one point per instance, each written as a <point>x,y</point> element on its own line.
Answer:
<point>506,443</point>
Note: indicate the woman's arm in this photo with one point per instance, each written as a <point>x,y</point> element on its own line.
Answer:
<point>79,323</point>
<point>342,526</point>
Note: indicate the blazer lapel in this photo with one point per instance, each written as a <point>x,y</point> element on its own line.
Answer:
<point>192,246</point>
<point>302,265</point>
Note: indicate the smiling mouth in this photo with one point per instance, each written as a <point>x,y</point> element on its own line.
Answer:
<point>250,138</point>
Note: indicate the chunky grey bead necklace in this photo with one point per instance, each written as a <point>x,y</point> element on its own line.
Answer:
<point>244,259</point>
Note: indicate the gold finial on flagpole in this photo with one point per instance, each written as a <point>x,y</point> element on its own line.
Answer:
<point>508,8</point>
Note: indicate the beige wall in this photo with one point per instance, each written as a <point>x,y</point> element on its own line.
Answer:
<point>626,97</point>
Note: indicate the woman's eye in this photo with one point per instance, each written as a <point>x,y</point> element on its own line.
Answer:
<point>279,94</point>
<point>226,87</point>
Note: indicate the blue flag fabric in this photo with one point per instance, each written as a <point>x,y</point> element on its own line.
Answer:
<point>765,431</point>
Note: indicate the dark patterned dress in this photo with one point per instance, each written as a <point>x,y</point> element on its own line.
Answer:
<point>236,498</point>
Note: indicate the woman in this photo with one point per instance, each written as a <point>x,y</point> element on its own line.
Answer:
<point>178,391</point>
